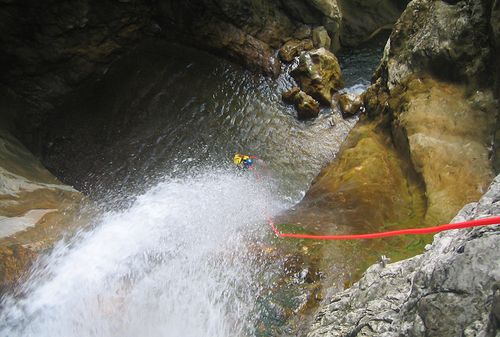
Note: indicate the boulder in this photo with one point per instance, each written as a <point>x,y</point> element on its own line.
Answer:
<point>307,107</point>
<point>320,38</point>
<point>450,290</point>
<point>293,47</point>
<point>318,74</point>
<point>350,104</point>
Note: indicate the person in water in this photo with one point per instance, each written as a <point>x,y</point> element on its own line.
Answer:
<point>243,162</point>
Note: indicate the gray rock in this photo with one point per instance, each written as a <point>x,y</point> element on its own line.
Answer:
<point>448,41</point>
<point>450,290</point>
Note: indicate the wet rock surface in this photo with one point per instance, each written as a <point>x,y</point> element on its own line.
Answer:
<point>307,107</point>
<point>350,104</point>
<point>450,290</point>
<point>292,48</point>
<point>35,209</point>
<point>318,74</point>
<point>367,185</point>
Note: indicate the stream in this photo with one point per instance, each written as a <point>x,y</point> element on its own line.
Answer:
<point>178,244</point>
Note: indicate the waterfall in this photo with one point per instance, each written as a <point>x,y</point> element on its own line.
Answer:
<point>175,263</point>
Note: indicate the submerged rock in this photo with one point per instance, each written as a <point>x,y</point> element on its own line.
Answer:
<point>450,290</point>
<point>318,74</point>
<point>307,107</point>
<point>293,47</point>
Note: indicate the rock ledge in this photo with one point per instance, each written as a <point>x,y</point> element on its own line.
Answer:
<point>453,289</point>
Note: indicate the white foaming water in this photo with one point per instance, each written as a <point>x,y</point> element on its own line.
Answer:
<point>175,263</point>
<point>358,88</point>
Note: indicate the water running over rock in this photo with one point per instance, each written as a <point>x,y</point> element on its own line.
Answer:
<point>189,252</point>
<point>176,263</point>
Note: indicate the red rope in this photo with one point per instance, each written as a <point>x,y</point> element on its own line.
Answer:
<point>411,231</point>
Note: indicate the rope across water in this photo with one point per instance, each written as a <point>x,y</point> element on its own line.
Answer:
<point>410,231</point>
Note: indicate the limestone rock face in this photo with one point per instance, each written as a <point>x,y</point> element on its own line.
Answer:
<point>449,41</point>
<point>236,44</point>
<point>368,184</point>
<point>318,74</point>
<point>450,290</point>
<point>35,208</point>
<point>302,32</point>
<point>448,135</point>
<point>436,83</point>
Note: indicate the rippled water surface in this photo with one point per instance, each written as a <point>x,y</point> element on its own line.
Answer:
<point>165,109</point>
<point>188,252</point>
